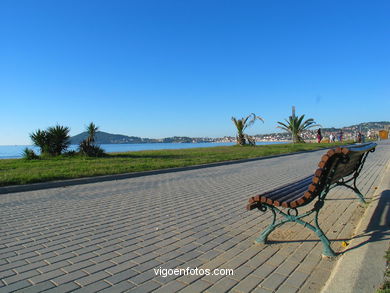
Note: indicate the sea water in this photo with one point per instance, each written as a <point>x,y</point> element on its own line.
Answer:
<point>16,151</point>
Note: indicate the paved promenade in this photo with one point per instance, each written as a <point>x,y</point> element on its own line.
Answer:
<point>110,236</point>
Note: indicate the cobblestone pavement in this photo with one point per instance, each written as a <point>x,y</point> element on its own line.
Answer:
<point>110,236</point>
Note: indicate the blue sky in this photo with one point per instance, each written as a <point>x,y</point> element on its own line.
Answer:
<point>163,68</point>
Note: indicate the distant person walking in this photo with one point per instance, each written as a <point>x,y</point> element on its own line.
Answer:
<point>341,136</point>
<point>319,135</point>
<point>331,137</point>
<point>359,137</point>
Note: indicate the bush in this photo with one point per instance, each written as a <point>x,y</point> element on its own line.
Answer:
<point>91,150</point>
<point>70,153</point>
<point>29,154</point>
<point>52,141</point>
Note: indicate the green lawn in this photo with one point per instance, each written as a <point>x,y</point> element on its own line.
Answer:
<point>20,171</point>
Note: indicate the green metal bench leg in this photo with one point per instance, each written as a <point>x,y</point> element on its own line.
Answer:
<point>263,236</point>
<point>326,249</point>
<point>356,190</point>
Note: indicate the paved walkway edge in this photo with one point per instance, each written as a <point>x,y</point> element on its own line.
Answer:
<point>362,268</point>
<point>86,180</point>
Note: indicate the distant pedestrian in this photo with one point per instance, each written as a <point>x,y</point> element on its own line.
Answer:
<point>331,137</point>
<point>319,135</point>
<point>359,137</point>
<point>341,136</point>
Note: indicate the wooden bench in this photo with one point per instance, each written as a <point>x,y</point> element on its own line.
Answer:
<point>338,167</point>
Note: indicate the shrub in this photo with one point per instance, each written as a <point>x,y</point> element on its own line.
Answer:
<point>87,146</point>
<point>52,141</point>
<point>29,154</point>
<point>91,150</point>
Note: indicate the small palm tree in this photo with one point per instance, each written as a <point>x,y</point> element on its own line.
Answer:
<point>92,130</point>
<point>52,141</point>
<point>59,139</point>
<point>40,139</point>
<point>87,146</point>
<point>295,125</point>
<point>242,124</point>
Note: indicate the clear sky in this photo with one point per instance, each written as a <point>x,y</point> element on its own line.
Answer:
<point>155,68</point>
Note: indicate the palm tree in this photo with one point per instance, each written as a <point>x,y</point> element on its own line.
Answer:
<point>92,130</point>
<point>295,125</point>
<point>40,139</point>
<point>52,141</point>
<point>87,146</point>
<point>242,124</point>
<point>59,139</point>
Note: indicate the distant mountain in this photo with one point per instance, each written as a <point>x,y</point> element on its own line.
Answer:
<point>108,138</point>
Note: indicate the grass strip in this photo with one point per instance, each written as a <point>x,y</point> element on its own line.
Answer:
<point>20,171</point>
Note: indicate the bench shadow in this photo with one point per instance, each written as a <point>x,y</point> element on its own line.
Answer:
<point>378,228</point>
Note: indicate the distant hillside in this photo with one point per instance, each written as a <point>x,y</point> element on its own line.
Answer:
<point>108,138</point>
<point>365,126</point>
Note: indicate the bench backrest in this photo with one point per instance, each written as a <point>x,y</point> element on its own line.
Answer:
<point>340,163</point>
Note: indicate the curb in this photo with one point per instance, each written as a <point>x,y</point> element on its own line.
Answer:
<point>86,180</point>
<point>362,268</point>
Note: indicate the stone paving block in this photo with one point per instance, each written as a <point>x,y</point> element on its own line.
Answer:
<point>316,279</point>
<point>104,257</point>
<point>122,276</point>
<point>209,255</point>
<point>286,268</point>
<point>188,279</point>
<point>170,287</point>
<point>94,287</point>
<point>5,274</point>
<point>223,285</point>
<point>121,267</point>
<point>241,272</point>
<point>149,286</point>
<point>98,267</point>
<point>247,284</point>
<point>15,286</point>
<point>13,265</point>
<point>52,267</point>
<point>308,265</point>
<point>261,290</point>
<point>169,256</point>
<point>92,278</point>
<point>81,258</point>
<point>77,266</point>
<point>37,288</point>
<point>68,277</point>
<point>123,286</point>
<point>15,258</point>
<point>20,277</point>
<point>47,276</point>
<point>273,281</point>
<point>148,266</point>
<point>197,286</point>
<point>296,279</point>
<point>194,254</point>
<point>285,288</point>
<point>141,278</point>
<point>145,258</point>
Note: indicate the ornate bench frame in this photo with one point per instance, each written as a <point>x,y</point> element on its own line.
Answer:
<point>338,167</point>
